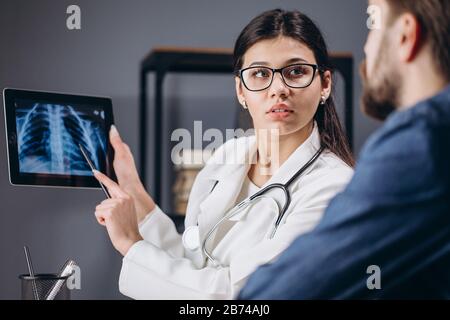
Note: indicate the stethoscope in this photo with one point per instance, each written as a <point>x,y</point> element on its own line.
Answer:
<point>191,236</point>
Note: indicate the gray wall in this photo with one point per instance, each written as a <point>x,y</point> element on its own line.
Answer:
<point>38,52</point>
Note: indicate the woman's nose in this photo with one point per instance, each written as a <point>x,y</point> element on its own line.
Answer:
<point>278,87</point>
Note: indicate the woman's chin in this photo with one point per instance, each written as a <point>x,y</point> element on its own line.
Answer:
<point>278,129</point>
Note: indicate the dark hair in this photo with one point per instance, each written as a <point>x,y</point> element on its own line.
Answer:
<point>274,23</point>
<point>434,21</point>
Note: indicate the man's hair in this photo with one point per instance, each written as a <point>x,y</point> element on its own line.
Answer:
<point>434,21</point>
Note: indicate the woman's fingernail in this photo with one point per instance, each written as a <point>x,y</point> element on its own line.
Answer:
<point>114,131</point>
<point>96,172</point>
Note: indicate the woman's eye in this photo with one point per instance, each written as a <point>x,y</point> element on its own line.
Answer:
<point>297,72</point>
<point>260,73</point>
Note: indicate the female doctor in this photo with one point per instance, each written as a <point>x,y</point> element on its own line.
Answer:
<point>283,77</point>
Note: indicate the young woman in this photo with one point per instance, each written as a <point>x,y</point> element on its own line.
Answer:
<point>284,79</point>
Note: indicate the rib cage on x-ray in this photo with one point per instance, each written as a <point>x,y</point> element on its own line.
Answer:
<point>48,136</point>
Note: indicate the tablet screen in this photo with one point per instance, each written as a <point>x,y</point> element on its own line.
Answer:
<point>45,131</point>
<point>48,137</point>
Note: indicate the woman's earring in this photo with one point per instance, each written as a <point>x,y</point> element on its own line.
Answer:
<point>322,100</point>
<point>244,104</point>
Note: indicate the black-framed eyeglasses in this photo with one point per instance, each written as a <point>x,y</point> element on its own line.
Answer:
<point>258,78</point>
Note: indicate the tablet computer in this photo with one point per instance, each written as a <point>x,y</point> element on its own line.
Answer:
<point>44,131</point>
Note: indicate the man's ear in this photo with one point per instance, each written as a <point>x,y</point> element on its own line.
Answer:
<point>410,37</point>
<point>239,93</point>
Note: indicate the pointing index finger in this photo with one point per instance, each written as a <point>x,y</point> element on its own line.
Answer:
<point>113,187</point>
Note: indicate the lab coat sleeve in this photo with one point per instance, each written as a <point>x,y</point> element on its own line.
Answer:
<point>158,229</point>
<point>151,273</point>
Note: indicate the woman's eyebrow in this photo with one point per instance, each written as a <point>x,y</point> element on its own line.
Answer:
<point>259,63</point>
<point>264,63</point>
<point>293,60</point>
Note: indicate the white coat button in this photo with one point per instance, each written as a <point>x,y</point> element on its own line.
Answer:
<point>191,238</point>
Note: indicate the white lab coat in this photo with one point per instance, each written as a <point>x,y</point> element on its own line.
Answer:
<point>160,267</point>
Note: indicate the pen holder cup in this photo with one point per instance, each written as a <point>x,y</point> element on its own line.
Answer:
<point>44,287</point>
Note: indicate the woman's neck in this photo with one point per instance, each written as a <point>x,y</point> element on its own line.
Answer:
<point>273,149</point>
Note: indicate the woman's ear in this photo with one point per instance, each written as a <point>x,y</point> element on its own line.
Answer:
<point>239,92</point>
<point>326,84</point>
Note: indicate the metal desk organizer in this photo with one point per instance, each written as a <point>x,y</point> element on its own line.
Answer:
<point>42,284</point>
<point>164,60</point>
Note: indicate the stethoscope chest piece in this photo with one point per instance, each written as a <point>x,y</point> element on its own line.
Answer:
<point>191,238</point>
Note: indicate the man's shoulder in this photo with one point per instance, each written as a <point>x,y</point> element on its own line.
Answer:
<point>409,155</point>
<point>421,131</point>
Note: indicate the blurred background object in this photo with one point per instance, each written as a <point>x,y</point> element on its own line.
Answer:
<point>189,165</point>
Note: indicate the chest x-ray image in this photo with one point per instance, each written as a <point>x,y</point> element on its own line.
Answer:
<point>48,137</point>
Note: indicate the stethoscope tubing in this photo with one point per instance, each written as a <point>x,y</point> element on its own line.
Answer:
<point>284,187</point>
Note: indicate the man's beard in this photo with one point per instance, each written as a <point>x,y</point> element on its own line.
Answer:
<point>380,96</point>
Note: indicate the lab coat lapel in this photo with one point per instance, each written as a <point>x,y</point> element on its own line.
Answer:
<point>229,177</point>
<point>295,161</point>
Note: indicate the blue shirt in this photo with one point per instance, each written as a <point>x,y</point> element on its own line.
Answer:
<point>394,214</point>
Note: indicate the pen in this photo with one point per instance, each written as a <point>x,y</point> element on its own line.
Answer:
<point>91,165</point>
<point>66,271</point>
<point>31,272</point>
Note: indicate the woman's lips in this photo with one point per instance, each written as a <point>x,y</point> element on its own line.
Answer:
<point>279,113</point>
